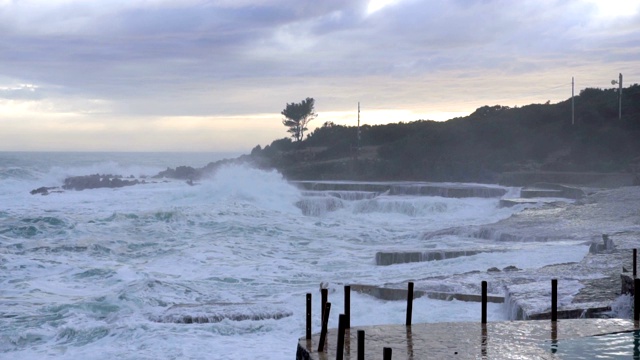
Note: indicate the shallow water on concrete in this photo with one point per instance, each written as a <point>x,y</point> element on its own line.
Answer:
<point>625,345</point>
<point>502,340</point>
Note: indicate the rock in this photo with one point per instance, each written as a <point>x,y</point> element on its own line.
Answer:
<point>42,190</point>
<point>96,181</point>
<point>181,172</point>
<point>493,269</point>
<point>511,268</point>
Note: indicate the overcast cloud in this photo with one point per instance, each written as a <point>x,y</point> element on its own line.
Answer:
<point>195,75</point>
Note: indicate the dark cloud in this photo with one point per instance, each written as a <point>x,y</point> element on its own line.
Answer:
<point>136,55</point>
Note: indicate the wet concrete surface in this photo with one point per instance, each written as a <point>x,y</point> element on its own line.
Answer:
<point>537,339</point>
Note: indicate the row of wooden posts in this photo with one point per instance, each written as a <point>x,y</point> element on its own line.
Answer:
<point>344,320</point>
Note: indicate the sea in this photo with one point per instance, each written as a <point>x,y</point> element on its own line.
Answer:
<point>219,269</point>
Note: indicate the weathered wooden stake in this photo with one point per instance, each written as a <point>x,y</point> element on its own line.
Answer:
<point>386,353</point>
<point>308,316</point>
<point>635,263</point>
<point>347,306</point>
<point>484,302</point>
<point>409,303</point>
<point>360,344</point>
<point>340,346</point>
<point>325,323</point>
<point>636,299</point>
<point>554,299</point>
<point>323,302</point>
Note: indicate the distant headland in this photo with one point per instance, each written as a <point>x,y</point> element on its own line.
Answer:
<point>495,144</point>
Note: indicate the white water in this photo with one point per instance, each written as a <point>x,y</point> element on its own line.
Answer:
<point>100,273</point>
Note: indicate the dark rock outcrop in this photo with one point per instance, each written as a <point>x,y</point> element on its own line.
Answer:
<point>43,190</point>
<point>96,181</point>
<point>181,172</point>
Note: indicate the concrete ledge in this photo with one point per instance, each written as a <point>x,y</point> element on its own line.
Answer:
<point>552,190</point>
<point>390,294</point>
<point>448,190</point>
<point>607,180</point>
<point>401,257</point>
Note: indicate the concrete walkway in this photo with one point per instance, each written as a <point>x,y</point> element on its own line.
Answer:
<point>500,340</point>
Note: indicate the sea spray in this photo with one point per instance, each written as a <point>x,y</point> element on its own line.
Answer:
<point>95,270</point>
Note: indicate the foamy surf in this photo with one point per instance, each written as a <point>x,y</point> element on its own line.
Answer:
<point>123,273</point>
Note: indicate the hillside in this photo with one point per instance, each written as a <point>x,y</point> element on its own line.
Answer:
<point>481,147</point>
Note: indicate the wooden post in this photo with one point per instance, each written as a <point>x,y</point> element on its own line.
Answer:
<point>360,344</point>
<point>308,316</point>
<point>484,341</point>
<point>323,302</point>
<point>409,303</point>
<point>635,263</point>
<point>340,346</point>
<point>347,306</point>
<point>636,299</point>
<point>554,299</point>
<point>325,323</point>
<point>484,302</point>
<point>386,353</point>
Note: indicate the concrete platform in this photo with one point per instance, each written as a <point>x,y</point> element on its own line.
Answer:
<point>535,339</point>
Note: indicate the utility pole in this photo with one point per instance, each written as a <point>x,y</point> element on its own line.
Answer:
<point>620,98</point>
<point>572,102</point>
<point>619,82</point>
<point>358,126</point>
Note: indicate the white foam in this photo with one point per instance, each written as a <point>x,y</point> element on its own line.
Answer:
<point>114,258</point>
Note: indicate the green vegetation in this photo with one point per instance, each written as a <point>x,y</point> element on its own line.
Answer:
<point>479,147</point>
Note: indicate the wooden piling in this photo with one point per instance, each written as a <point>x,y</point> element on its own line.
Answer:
<point>409,303</point>
<point>636,299</point>
<point>325,323</point>
<point>635,263</point>
<point>340,345</point>
<point>554,299</point>
<point>308,316</point>
<point>323,302</point>
<point>386,353</point>
<point>347,306</point>
<point>360,344</point>
<point>484,302</point>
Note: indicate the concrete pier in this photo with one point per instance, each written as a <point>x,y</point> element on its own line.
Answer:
<point>448,190</point>
<point>501,340</point>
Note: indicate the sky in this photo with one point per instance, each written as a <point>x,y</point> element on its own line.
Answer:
<point>214,75</point>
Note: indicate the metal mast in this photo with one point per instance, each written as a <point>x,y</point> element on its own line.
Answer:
<point>358,149</point>
<point>620,98</point>
<point>572,102</point>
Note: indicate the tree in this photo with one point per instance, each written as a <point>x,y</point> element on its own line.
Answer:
<point>297,116</point>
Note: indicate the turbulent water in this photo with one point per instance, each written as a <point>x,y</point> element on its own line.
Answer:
<point>217,270</point>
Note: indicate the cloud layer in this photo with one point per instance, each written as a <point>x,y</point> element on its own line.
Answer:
<point>164,72</point>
